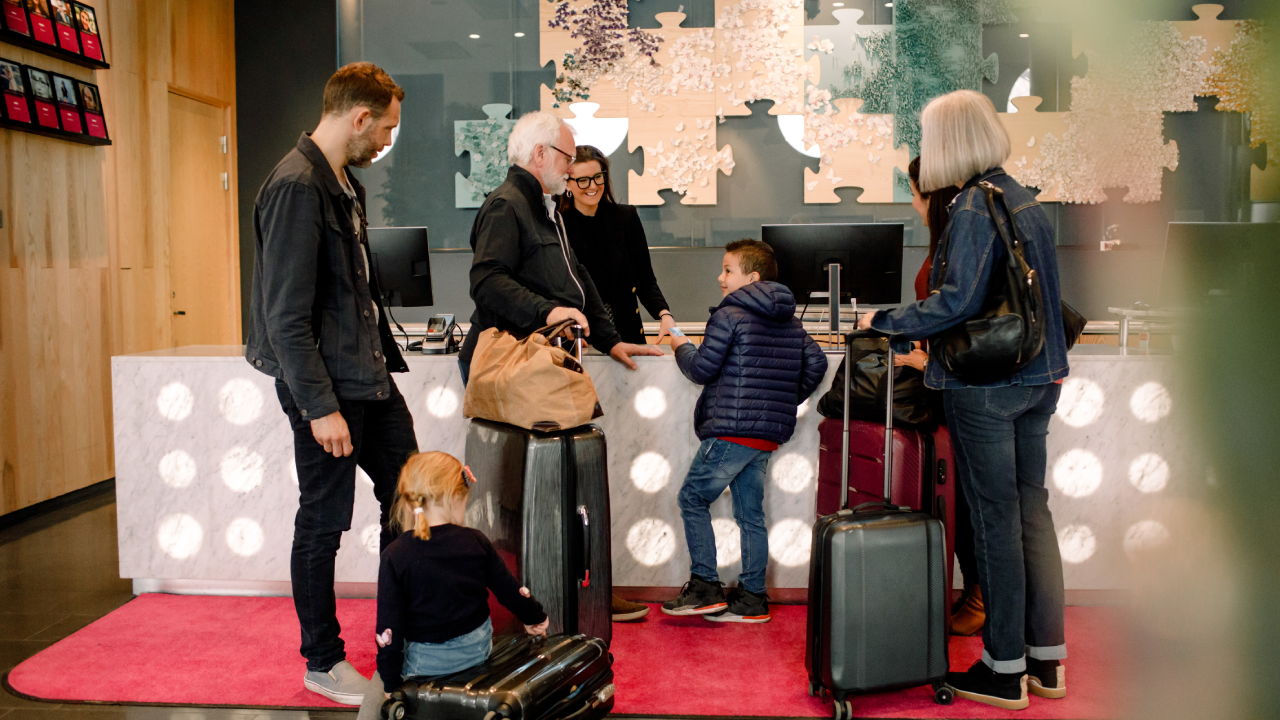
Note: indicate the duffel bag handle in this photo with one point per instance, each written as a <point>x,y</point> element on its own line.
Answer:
<point>876,504</point>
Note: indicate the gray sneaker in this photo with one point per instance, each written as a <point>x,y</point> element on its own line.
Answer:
<point>342,684</point>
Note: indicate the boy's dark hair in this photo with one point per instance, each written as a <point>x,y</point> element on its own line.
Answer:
<point>360,84</point>
<point>754,257</point>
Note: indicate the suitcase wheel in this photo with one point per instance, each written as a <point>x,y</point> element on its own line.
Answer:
<point>393,710</point>
<point>843,710</point>
<point>814,689</point>
<point>942,694</point>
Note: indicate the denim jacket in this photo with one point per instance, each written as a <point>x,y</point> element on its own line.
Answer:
<point>974,248</point>
<point>312,321</point>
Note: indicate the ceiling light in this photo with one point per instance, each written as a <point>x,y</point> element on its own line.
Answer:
<point>1024,35</point>
<point>474,37</point>
<point>837,4</point>
<point>519,34</point>
<point>888,4</point>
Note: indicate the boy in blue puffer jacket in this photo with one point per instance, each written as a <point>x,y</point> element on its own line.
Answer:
<point>758,364</point>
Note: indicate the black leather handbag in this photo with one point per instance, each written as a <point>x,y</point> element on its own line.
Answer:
<point>915,406</point>
<point>1072,324</point>
<point>1009,330</point>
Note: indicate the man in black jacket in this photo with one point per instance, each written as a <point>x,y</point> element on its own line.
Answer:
<point>317,325</point>
<point>524,274</point>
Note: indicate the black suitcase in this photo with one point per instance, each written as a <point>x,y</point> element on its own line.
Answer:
<point>543,500</point>
<point>878,611</point>
<point>525,678</point>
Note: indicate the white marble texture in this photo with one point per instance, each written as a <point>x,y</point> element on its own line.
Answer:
<point>206,492</point>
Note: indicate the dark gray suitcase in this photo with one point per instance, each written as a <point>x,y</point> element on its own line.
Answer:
<point>543,500</point>
<point>877,616</point>
<point>525,678</point>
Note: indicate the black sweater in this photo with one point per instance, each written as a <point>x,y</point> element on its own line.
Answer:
<point>612,246</point>
<point>436,590</point>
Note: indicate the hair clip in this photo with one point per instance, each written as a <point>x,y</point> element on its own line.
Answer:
<point>467,478</point>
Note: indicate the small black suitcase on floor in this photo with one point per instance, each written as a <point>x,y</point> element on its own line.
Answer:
<point>525,678</point>
<point>877,616</point>
<point>543,500</point>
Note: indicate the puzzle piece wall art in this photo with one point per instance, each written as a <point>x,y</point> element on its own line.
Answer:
<point>680,153</point>
<point>857,151</point>
<point>486,141</point>
<point>1028,132</point>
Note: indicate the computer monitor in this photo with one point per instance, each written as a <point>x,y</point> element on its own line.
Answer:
<point>401,259</point>
<point>870,257</point>
<point>1205,261</point>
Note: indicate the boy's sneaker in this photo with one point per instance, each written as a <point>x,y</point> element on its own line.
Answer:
<point>984,685</point>
<point>744,607</point>
<point>697,597</point>
<point>1046,678</point>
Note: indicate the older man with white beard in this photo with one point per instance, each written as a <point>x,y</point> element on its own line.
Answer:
<point>524,274</point>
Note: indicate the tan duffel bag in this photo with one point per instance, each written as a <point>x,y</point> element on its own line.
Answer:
<point>529,383</point>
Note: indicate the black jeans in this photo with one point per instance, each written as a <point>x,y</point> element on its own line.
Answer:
<point>999,439</point>
<point>382,439</point>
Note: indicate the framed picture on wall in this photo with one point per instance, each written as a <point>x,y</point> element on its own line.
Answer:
<point>42,22</point>
<point>91,100</point>
<point>16,107</point>
<point>64,21</point>
<point>15,17</point>
<point>64,90</point>
<point>87,23</point>
<point>40,85</point>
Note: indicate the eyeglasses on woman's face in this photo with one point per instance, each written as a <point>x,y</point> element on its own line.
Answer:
<point>586,182</point>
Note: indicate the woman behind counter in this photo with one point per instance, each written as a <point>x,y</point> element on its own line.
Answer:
<point>609,240</point>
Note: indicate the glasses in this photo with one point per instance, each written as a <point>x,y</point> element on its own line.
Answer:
<point>586,182</point>
<point>553,147</point>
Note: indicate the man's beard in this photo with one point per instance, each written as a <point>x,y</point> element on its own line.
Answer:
<point>553,182</point>
<point>362,149</point>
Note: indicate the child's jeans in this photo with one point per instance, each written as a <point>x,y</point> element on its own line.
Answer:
<point>450,656</point>
<point>720,464</point>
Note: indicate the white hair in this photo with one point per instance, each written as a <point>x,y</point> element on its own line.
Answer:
<point>533,129</point>
<point>961,136</point>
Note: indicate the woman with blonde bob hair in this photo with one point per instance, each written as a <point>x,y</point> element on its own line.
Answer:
<point>998,428</point>
<point>434,579</point>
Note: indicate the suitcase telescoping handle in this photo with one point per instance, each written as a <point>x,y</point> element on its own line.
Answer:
<point>888,417</point>
<point>586,546</point>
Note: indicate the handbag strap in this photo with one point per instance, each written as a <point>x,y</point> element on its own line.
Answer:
<point>1013,247</point>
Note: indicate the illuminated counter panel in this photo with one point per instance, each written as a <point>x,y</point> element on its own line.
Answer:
<point>207,490</point>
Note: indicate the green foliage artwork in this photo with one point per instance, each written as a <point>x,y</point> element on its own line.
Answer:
<point>486,141</point>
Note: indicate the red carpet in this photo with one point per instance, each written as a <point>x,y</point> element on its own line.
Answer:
<point>169,649</point>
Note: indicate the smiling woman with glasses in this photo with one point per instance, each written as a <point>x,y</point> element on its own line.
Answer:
<point>609,240</point>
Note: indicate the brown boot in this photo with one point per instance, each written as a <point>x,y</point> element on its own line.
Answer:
<point>625,610</point>
<point>971,616</point>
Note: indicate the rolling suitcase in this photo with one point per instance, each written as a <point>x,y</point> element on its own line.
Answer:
<point>525,678</point>
<point>543,500</point>
<point>878,598</point>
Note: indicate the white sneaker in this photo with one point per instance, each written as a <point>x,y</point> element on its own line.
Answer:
<point>342,684</point>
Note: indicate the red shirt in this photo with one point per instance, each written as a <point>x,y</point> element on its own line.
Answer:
<point>752,443</point>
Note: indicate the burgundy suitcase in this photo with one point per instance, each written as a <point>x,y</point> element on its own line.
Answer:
<point>923,472</point>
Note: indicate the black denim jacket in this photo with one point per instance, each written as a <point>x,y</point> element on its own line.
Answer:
<point>311,319</point>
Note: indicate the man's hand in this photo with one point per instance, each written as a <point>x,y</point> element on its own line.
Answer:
<point>677,341</point>
<point>331,432</point>
<point>864,322</point>
<point>539,629</point>
<point>622,352</point>
<point>665,323</point>
<point>560,314</point>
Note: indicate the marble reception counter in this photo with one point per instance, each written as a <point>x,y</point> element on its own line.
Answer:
<point>207,489</point>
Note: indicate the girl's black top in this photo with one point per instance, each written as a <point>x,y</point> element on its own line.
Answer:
<point>612,246</point>
<point>434,590</point>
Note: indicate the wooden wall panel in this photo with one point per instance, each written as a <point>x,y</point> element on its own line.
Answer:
<point>84,272</point>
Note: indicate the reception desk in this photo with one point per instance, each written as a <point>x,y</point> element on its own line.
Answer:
<point>207,489</point>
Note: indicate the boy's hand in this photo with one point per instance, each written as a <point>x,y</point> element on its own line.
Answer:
<point>539,629</point>
<point>677,341</point>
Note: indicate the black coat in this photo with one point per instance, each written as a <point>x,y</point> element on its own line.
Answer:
<point>612,246</point>
<point>758,364</point>
<point>522,268</point>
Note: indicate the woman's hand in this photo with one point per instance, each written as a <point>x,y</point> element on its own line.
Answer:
<point>864,322</point>
<point>384,639</point>
<point>666,322</point>
<point>916,359</point>
<point>539,629</point>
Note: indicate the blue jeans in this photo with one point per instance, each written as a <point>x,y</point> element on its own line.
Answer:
<point>450,656</point>
<point>720,464</point>
<point>999,439</point>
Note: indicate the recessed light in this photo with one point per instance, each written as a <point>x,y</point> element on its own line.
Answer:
<point>474,37</point>
<point>888,4</point>
<point>1024,35</point>
<point>519,34</point>
<point>837,4</point>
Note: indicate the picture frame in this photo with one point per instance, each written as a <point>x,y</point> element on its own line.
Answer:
<point>95,122</point>
<point>40,89</point>
<point>41,17</point>
<point>65,24</point>
<point>67,96</point>
<point>17,108</point>
<point>90,35</point>
<point>15,17</point>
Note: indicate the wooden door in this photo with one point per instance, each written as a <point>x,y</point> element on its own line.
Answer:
<point>203,258</point>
